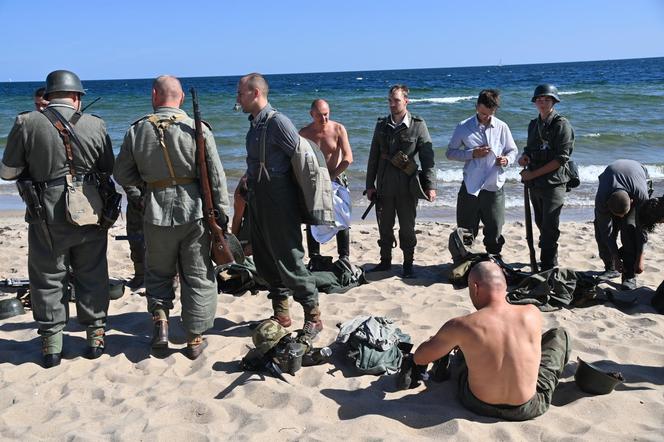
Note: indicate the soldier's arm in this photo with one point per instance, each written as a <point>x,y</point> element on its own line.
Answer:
<point>425,152</point>
<point>217,177</point>
<point>106,161</point>
<point>439,344</point>
<point>286,136</point>
<point>125,170</point>
<point>374,159</point>
<point>346,152</point>
<point>13,160</point>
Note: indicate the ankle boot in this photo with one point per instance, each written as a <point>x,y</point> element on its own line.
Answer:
<point>313,325</point>
<point>52,350</point>
<point>195,346</point>
<point>95,338</point>
<point>160,333</point>
<point>281,311</point>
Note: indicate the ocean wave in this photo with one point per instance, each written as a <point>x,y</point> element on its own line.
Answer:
<point>442,100</point>
<point>593,135</point>
<point>573,92</point>
<point>587,173</point>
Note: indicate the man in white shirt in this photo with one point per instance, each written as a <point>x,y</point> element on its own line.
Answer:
<point>486,145</point>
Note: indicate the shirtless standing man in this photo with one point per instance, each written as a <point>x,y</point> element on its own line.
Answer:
<point>332,139</point>
<point>511,370</point>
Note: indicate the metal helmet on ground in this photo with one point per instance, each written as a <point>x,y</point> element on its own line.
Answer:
<point>10,307</point>
<point>546,90</point>
<point>595,381</point>
<point>267,335</point>
<point>63,81</point>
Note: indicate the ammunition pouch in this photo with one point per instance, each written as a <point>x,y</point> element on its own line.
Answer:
<point>402,161</point>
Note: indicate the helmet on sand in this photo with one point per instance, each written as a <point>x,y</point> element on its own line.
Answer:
<point>267,335</point>
<point>595,381</point>
<point>546,90</point>
<point>63,81</point>
<point>10,307</point>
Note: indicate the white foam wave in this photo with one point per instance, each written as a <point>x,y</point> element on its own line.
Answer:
<point>587,173</point>
<point>359,78</point>
<point>572,92</point>
<point>593,135</point>
<point>442,100</point>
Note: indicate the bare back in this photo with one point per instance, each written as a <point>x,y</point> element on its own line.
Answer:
<point>502,348</point>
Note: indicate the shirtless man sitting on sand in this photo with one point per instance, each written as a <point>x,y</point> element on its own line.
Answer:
<point>332,139</point>
<point>511,370</point>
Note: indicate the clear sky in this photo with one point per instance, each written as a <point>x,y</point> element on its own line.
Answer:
<point>142,39</point>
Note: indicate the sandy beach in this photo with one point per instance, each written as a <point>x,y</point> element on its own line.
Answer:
<point>127,394</point>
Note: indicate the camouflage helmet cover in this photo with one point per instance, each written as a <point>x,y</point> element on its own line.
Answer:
<point>267,335</point>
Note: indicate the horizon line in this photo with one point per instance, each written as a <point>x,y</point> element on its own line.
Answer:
<point>502,66</point>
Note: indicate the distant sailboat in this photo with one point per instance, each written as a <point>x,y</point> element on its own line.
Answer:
<point>500,63</point>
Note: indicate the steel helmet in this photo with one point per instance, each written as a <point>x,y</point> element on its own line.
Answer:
<point>267,335</point>
<point>63,81</point>
<point>547,90</point>
<point>595,381</point>
<point>10,307</point>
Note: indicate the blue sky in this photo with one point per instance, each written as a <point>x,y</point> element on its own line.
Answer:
<point>142,39</point>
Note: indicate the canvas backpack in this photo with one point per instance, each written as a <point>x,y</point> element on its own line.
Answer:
<point>313,178</point>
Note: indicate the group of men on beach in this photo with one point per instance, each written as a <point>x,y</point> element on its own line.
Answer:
<point>511,369</point>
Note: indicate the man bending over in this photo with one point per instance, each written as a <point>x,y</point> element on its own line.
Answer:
<point>511,370</point>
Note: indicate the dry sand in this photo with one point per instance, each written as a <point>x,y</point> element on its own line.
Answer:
<point>127,394</point>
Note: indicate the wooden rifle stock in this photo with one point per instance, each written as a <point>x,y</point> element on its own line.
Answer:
<point>221,252</point>
<point>529,229</point>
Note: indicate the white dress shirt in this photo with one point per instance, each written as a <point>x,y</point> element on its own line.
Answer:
<point>482,173</point>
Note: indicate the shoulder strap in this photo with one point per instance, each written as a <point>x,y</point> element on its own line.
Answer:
<point>263,141</point>
<point>65,131</point>
<point>161,124</point>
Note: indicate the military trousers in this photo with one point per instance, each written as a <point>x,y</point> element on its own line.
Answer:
<point>487,207</point>
<point>388,207</point>
<point>183,250</point>
<point>276,239</point>
<point>83,248</point>
<point>632,244</point>
<point>547,204</point>
<point>135,230</point>
<point>556,349</point>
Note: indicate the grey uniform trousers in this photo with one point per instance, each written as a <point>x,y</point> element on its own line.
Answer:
<point>83,248</point>
<point>547,204</point>
<point>183,249</point>
<point>388,208</point>
<point>488,207</point>
<point>556,349</point>
<point>276,239</point>
<point>632,243</point>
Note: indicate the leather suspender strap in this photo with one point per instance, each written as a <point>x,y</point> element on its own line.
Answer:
<point>65,134</point>
<point>263,141</point>
<point>160,125</point>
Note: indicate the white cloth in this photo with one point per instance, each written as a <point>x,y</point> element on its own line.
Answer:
<point>482,173</point>
<point>342,209</point>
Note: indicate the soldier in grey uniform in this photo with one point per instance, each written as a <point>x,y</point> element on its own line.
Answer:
<point>550,144</point>
<point>159,152</point>
<point>36,155</point>
<point>274,217</point>
<point>393,177</point>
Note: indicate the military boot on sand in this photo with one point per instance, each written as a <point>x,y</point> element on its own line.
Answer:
<point>281,311</point>
<point>52,350</point>
<point>95,338</point>
<point>160,333</point>
<point>312,322</point>
<point>195,346</point>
